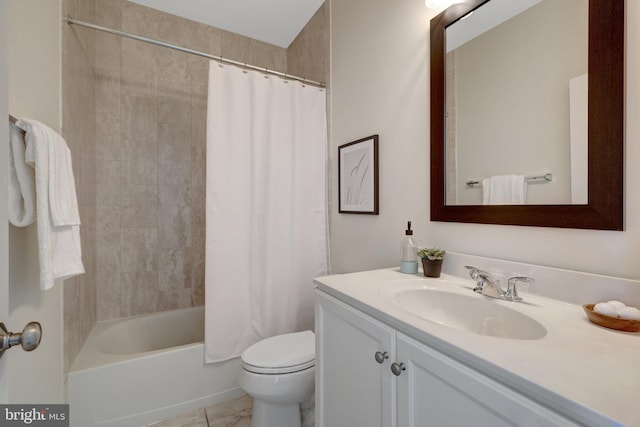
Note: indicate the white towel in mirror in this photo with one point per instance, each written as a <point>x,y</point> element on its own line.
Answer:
<point>504,190</point>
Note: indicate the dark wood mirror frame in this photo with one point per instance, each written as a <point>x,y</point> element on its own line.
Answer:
<point>605,207</point>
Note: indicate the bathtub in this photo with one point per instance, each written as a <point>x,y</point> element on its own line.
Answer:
<point>134,371</point>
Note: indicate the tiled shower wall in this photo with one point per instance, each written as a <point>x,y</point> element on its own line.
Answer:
<point>150,151</point>
<point>79,129</point>
<point>308,54</point>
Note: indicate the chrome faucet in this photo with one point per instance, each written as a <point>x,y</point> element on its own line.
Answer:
<point>487,285</point>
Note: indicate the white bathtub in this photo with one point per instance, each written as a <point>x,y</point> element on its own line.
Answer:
<point>134,371</point>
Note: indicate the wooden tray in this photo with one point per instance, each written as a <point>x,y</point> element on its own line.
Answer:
<point>611,322</point>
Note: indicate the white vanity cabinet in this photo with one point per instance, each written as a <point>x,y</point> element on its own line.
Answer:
<point>354,390</point>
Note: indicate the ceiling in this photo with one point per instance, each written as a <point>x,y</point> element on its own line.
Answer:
<point>273,21</point>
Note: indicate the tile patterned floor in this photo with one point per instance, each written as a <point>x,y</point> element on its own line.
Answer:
<point>232,413</point>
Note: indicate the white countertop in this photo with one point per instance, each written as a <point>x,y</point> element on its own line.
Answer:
<point>589,373</point>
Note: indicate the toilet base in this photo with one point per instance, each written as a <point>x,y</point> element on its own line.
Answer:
<point>270,415</point>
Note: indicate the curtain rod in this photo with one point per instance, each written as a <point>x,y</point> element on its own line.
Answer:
<point>71,21</point>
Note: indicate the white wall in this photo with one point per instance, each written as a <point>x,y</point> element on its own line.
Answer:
<point>379,77</point>
<point>4,227</point>
<point>34,51</point>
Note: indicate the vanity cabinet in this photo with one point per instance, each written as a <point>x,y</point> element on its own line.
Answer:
<point>413,386</point>
<point>352,387</point>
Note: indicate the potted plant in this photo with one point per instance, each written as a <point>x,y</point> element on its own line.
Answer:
<point>431,261</point>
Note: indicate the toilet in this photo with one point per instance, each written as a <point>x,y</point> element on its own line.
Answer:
<point>279,373</point>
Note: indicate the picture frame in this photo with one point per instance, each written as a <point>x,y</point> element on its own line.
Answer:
<point>358,177</point>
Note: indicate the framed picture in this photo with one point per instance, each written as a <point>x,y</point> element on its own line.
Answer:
<point>358,176</point>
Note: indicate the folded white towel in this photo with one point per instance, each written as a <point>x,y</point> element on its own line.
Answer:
<point>504,190</point>
<point>22,192</point>
<point>57,215</point>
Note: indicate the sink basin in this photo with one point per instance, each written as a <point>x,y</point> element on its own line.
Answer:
<point>467,313</point>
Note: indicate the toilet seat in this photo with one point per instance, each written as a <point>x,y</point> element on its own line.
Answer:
<point>281,354</point>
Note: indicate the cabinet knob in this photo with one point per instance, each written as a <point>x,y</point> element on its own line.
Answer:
<point>381,356</point>
<point>397,368</point>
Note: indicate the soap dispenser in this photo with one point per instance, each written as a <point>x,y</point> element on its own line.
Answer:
<point>409,253</point>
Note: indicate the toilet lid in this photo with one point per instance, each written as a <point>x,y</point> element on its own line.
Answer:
<point>281,354</point>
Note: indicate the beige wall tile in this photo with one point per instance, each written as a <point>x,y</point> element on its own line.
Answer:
<point>139,249</point>
<point>171,268</point>
<point>174,77</point>
<point>84,169</point>
<point>107,94</point>
<point>216,36</point>
<point>174,227</point>
<point>141,21</point>
<point>139,74</point>
<point>108,228</point>
<point>139,161</point>
<point>235,47</point>
<point>171,300</point>
<point>198,146</point>
<point>138,293</point>
<point>199,41</point>
<point>199,84</point>
<point>266,55</point>
<point>109,13</point>
<point>197,289</point>
<point>174,29</point>
<point>139,215</point>
<point>174,184</point>
<point>108,51</point>
<point>174,130</point>
<point>108,282</point>
<point>108,179</point>
<point>308,54</point>
<point>133,195</point>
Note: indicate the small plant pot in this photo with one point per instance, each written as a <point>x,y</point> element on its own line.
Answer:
<point>432,268</point>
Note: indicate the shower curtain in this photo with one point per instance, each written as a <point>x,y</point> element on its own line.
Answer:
<point>266,207</point>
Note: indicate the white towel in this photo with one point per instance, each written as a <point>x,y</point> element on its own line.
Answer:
<point>57,215</point>
<point>22,192</point>
<point>504,190</point>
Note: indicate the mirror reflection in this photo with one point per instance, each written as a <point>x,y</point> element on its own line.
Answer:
<point>516,104</point>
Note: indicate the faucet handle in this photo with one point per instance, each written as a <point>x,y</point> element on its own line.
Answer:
<point>474,272</point>
<point>478,275</point>
<point>512,290</point>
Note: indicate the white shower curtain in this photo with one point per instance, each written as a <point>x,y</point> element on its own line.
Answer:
<point>266,219</point>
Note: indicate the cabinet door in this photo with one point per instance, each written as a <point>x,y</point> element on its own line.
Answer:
<point>435,390</point>
<point>352,388</point>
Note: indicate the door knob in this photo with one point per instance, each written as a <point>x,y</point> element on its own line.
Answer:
<point>29,338</point>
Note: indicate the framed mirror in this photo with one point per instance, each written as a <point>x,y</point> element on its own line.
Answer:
<point>600,205</point>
